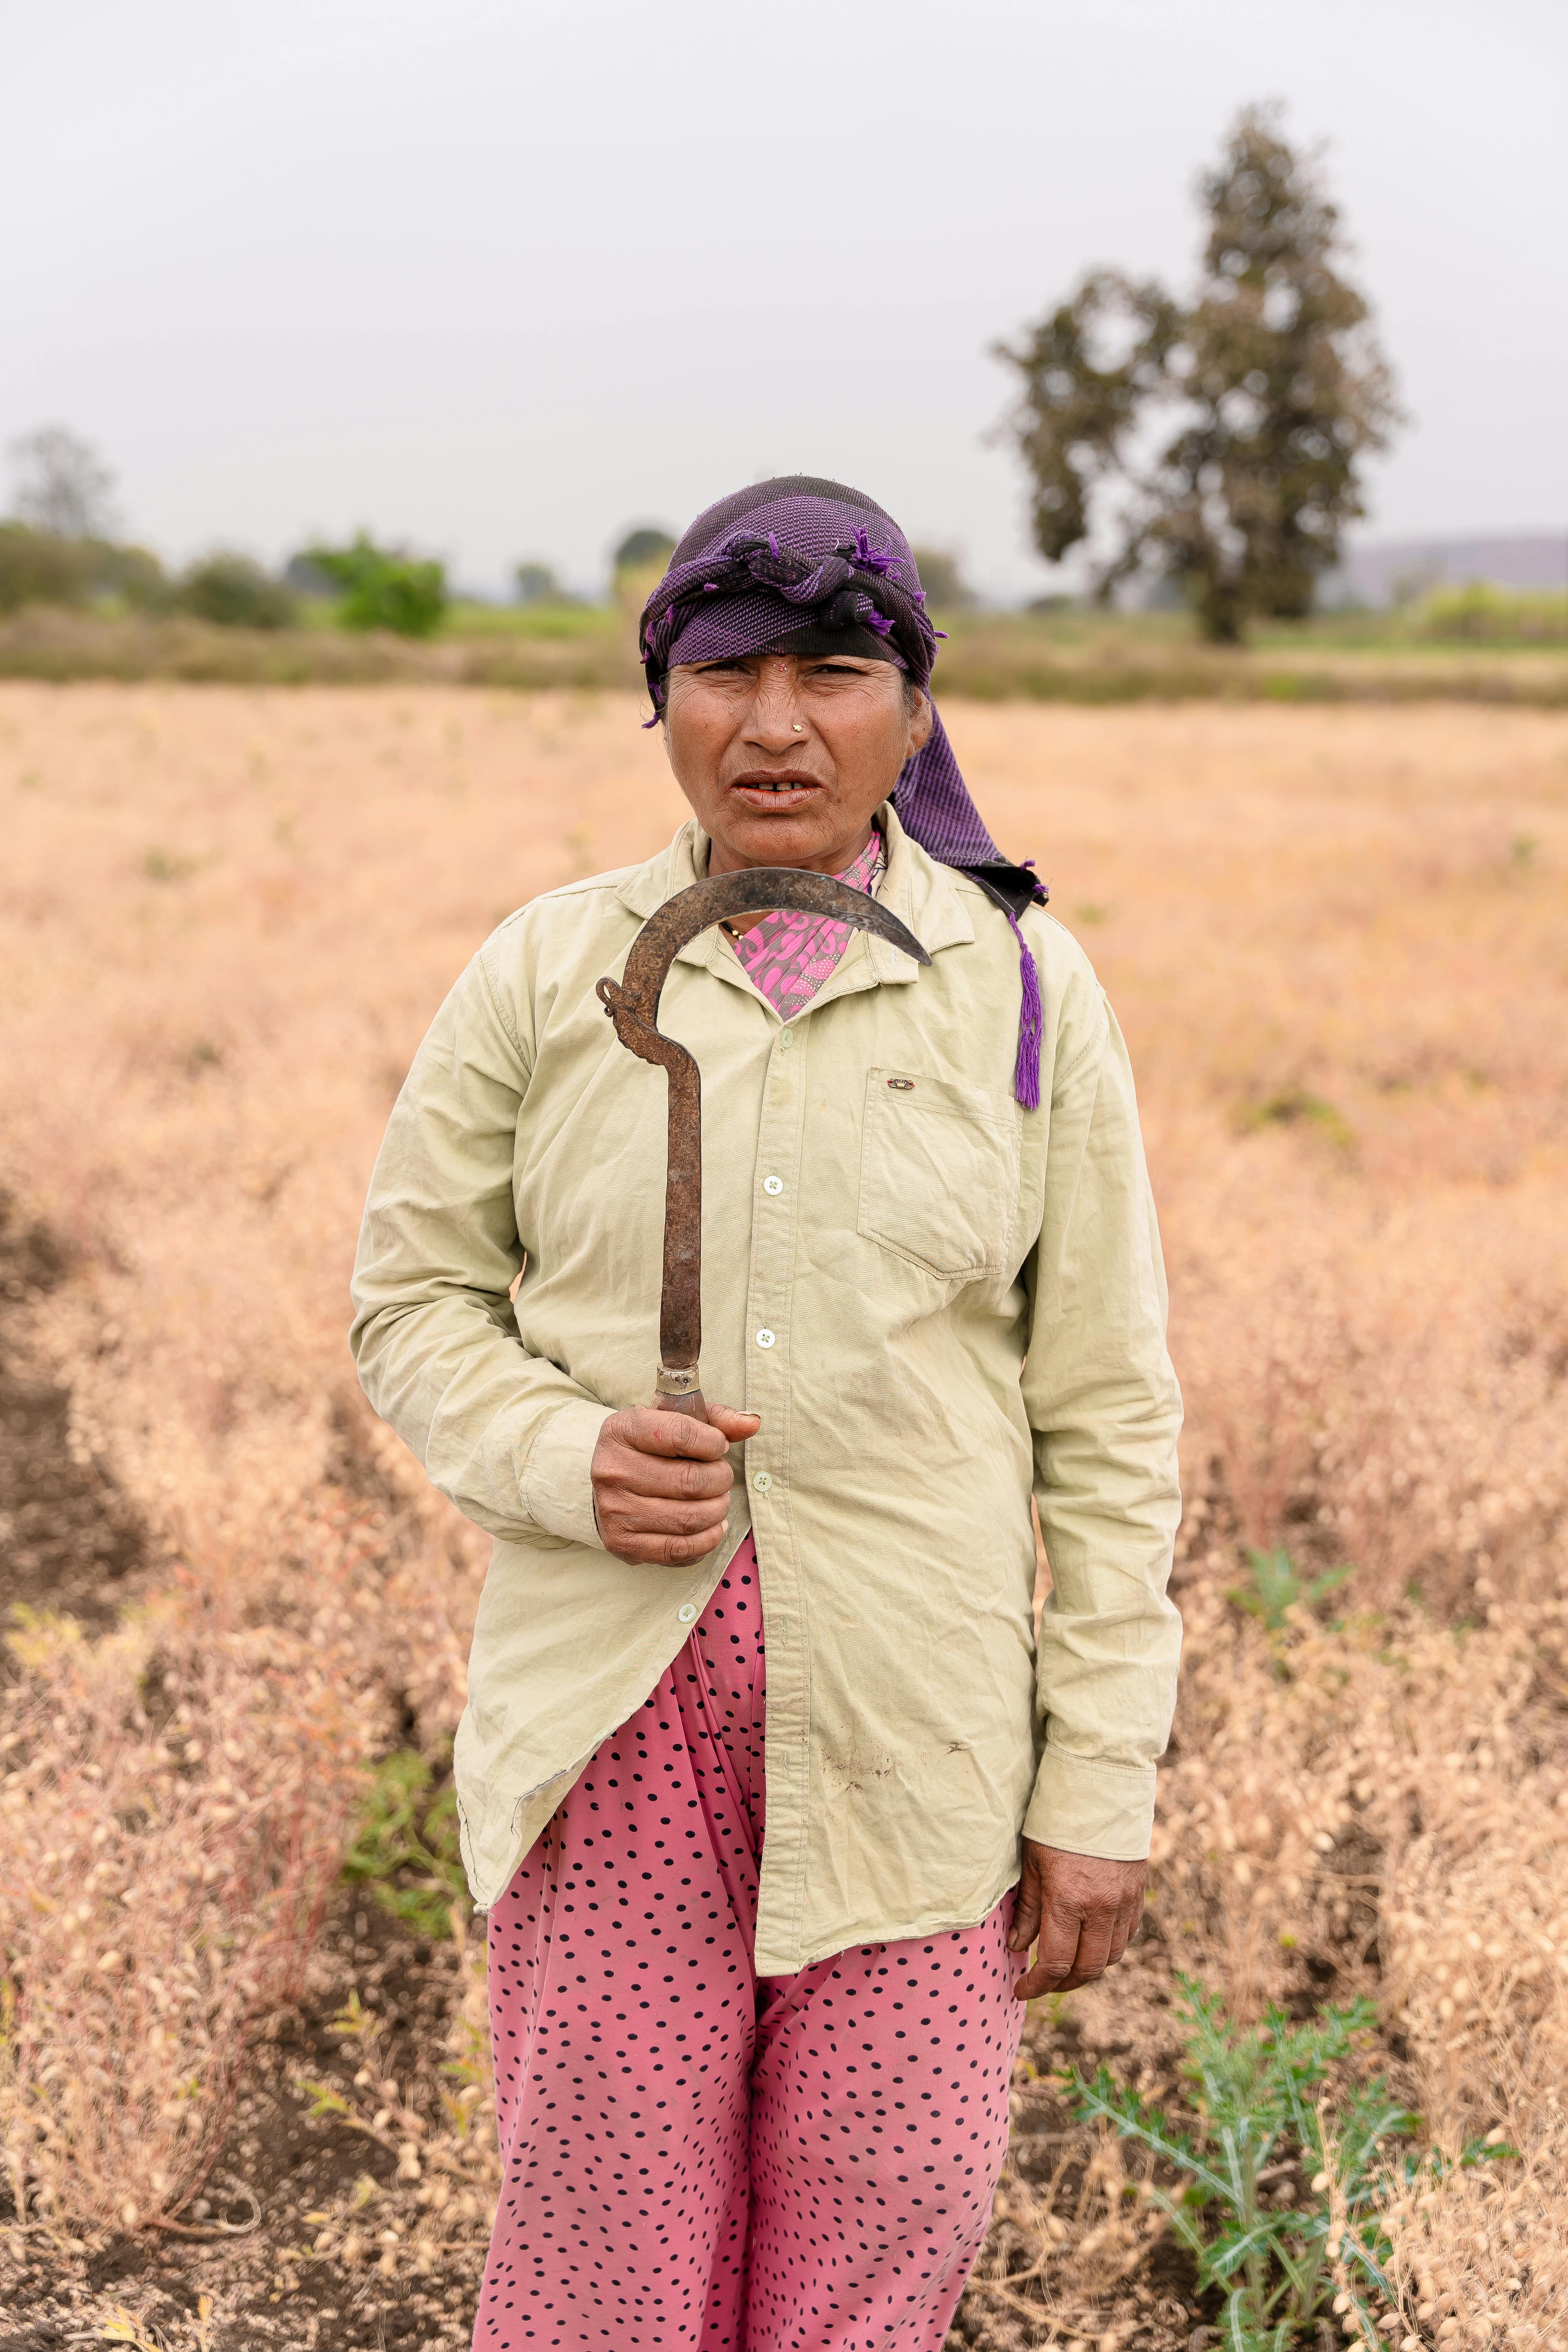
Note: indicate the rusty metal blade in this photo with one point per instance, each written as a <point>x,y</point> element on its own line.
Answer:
<point>756,891</point>
<point>632,1006</point>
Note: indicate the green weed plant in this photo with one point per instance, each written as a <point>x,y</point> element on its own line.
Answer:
<point>1276,1587</point>
<point>1278,2264</point>
<point>406,1850</point>
<point>1480,614</point>
<point>1295,1107</point>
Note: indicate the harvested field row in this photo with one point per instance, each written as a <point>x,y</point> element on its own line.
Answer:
<point>1336,939</point>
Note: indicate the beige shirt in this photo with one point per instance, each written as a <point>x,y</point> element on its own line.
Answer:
<point>936,1301</point>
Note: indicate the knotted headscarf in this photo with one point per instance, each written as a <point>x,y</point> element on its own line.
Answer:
<point>798,565</point>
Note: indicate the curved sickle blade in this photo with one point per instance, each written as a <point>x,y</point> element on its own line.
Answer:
<point>633,1004</point>
<point>723,896</point>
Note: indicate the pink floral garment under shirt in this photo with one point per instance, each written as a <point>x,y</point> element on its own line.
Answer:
<point>787,956</point>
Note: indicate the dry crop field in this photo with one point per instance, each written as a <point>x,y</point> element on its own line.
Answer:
<point>241,2102</point>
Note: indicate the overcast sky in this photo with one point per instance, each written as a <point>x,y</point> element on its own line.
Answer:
<point>503,278</point>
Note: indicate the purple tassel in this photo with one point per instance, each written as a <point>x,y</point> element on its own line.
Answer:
<point>867,557</point>
<point>1031,1024</point>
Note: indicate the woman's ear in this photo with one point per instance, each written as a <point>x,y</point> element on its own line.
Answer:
<point>919,722</point>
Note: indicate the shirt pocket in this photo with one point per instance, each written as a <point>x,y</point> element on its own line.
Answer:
<point>939,1172</point>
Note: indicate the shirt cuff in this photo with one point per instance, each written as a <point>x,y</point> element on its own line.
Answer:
<point>1085,1805</point>
<point>557,1483</point>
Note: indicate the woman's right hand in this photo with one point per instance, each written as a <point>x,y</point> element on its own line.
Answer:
<point>661,1482</point>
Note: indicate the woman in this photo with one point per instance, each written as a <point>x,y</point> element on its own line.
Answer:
<point>753,1902</point>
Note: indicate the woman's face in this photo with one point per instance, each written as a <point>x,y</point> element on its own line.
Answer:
<point>785,757</point>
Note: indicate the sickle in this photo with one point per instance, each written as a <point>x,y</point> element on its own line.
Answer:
<point>632,1004</point>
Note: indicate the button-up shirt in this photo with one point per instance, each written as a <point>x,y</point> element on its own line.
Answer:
<point>938,1303</point>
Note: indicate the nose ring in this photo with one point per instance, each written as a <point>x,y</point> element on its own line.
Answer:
<point>798,727</point>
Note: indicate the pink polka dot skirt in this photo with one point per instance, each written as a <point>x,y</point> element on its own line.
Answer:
<point>697,2159</point>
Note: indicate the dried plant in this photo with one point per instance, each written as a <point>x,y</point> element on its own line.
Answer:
<point>1368,1795</point>
<point>178,1794</point>
<point>440,2125</point>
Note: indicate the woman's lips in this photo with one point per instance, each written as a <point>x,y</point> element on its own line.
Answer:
<point>774,795</point>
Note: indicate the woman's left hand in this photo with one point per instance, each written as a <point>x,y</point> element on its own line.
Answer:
<point>1081,1908</point>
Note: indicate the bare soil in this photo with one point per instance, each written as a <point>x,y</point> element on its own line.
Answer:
<point>69,1540</point>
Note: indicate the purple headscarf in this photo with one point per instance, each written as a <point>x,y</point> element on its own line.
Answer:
<point>800,565</point>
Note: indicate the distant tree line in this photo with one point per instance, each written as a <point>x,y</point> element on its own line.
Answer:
<point>1211,448</point>
<point>60,546</point>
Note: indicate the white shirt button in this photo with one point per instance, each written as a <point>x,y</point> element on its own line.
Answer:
<point>773,1184</point>
<point>786,1039</point>
<point>686,1613</point>
<point>762,1481</point>
<point>766,1338</point>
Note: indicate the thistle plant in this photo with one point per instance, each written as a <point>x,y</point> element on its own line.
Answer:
<point>1276,2263</point>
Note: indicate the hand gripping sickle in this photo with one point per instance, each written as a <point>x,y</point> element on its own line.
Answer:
<point>632,1006</point>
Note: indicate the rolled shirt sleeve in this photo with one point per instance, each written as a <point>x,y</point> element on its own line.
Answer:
<point>1106,1411</point>
<point>506,1435</point>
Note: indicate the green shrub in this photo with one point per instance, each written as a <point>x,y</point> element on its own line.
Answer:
<point>647,549</point>
<point>44,567</point>
<point>406,1850</point>
<point>136,576</point>
<point>536,585</point>
<point>641,562</point>
<point>1295,1104</point>
<point>236,592</point>
<point>942,577</point>
<point>38,567</point>
<point>1276,1587</point>
<point>1479,613</point>
<point>382,588</point>
<point>1273,2258</point>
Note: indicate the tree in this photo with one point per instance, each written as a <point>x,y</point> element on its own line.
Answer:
<point>236,592</point>
<point>136,576</point>
<point>38,568</point>
<point>1264,393</point>
<point>942,577</point>
<point>383,588</point>
<point>64,486</point>
<point>536,585</point>
<point>648,547</point>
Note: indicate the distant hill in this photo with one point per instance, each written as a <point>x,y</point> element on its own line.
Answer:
<point>1394,571</point>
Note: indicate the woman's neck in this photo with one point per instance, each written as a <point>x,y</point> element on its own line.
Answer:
<point>722,859</point>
